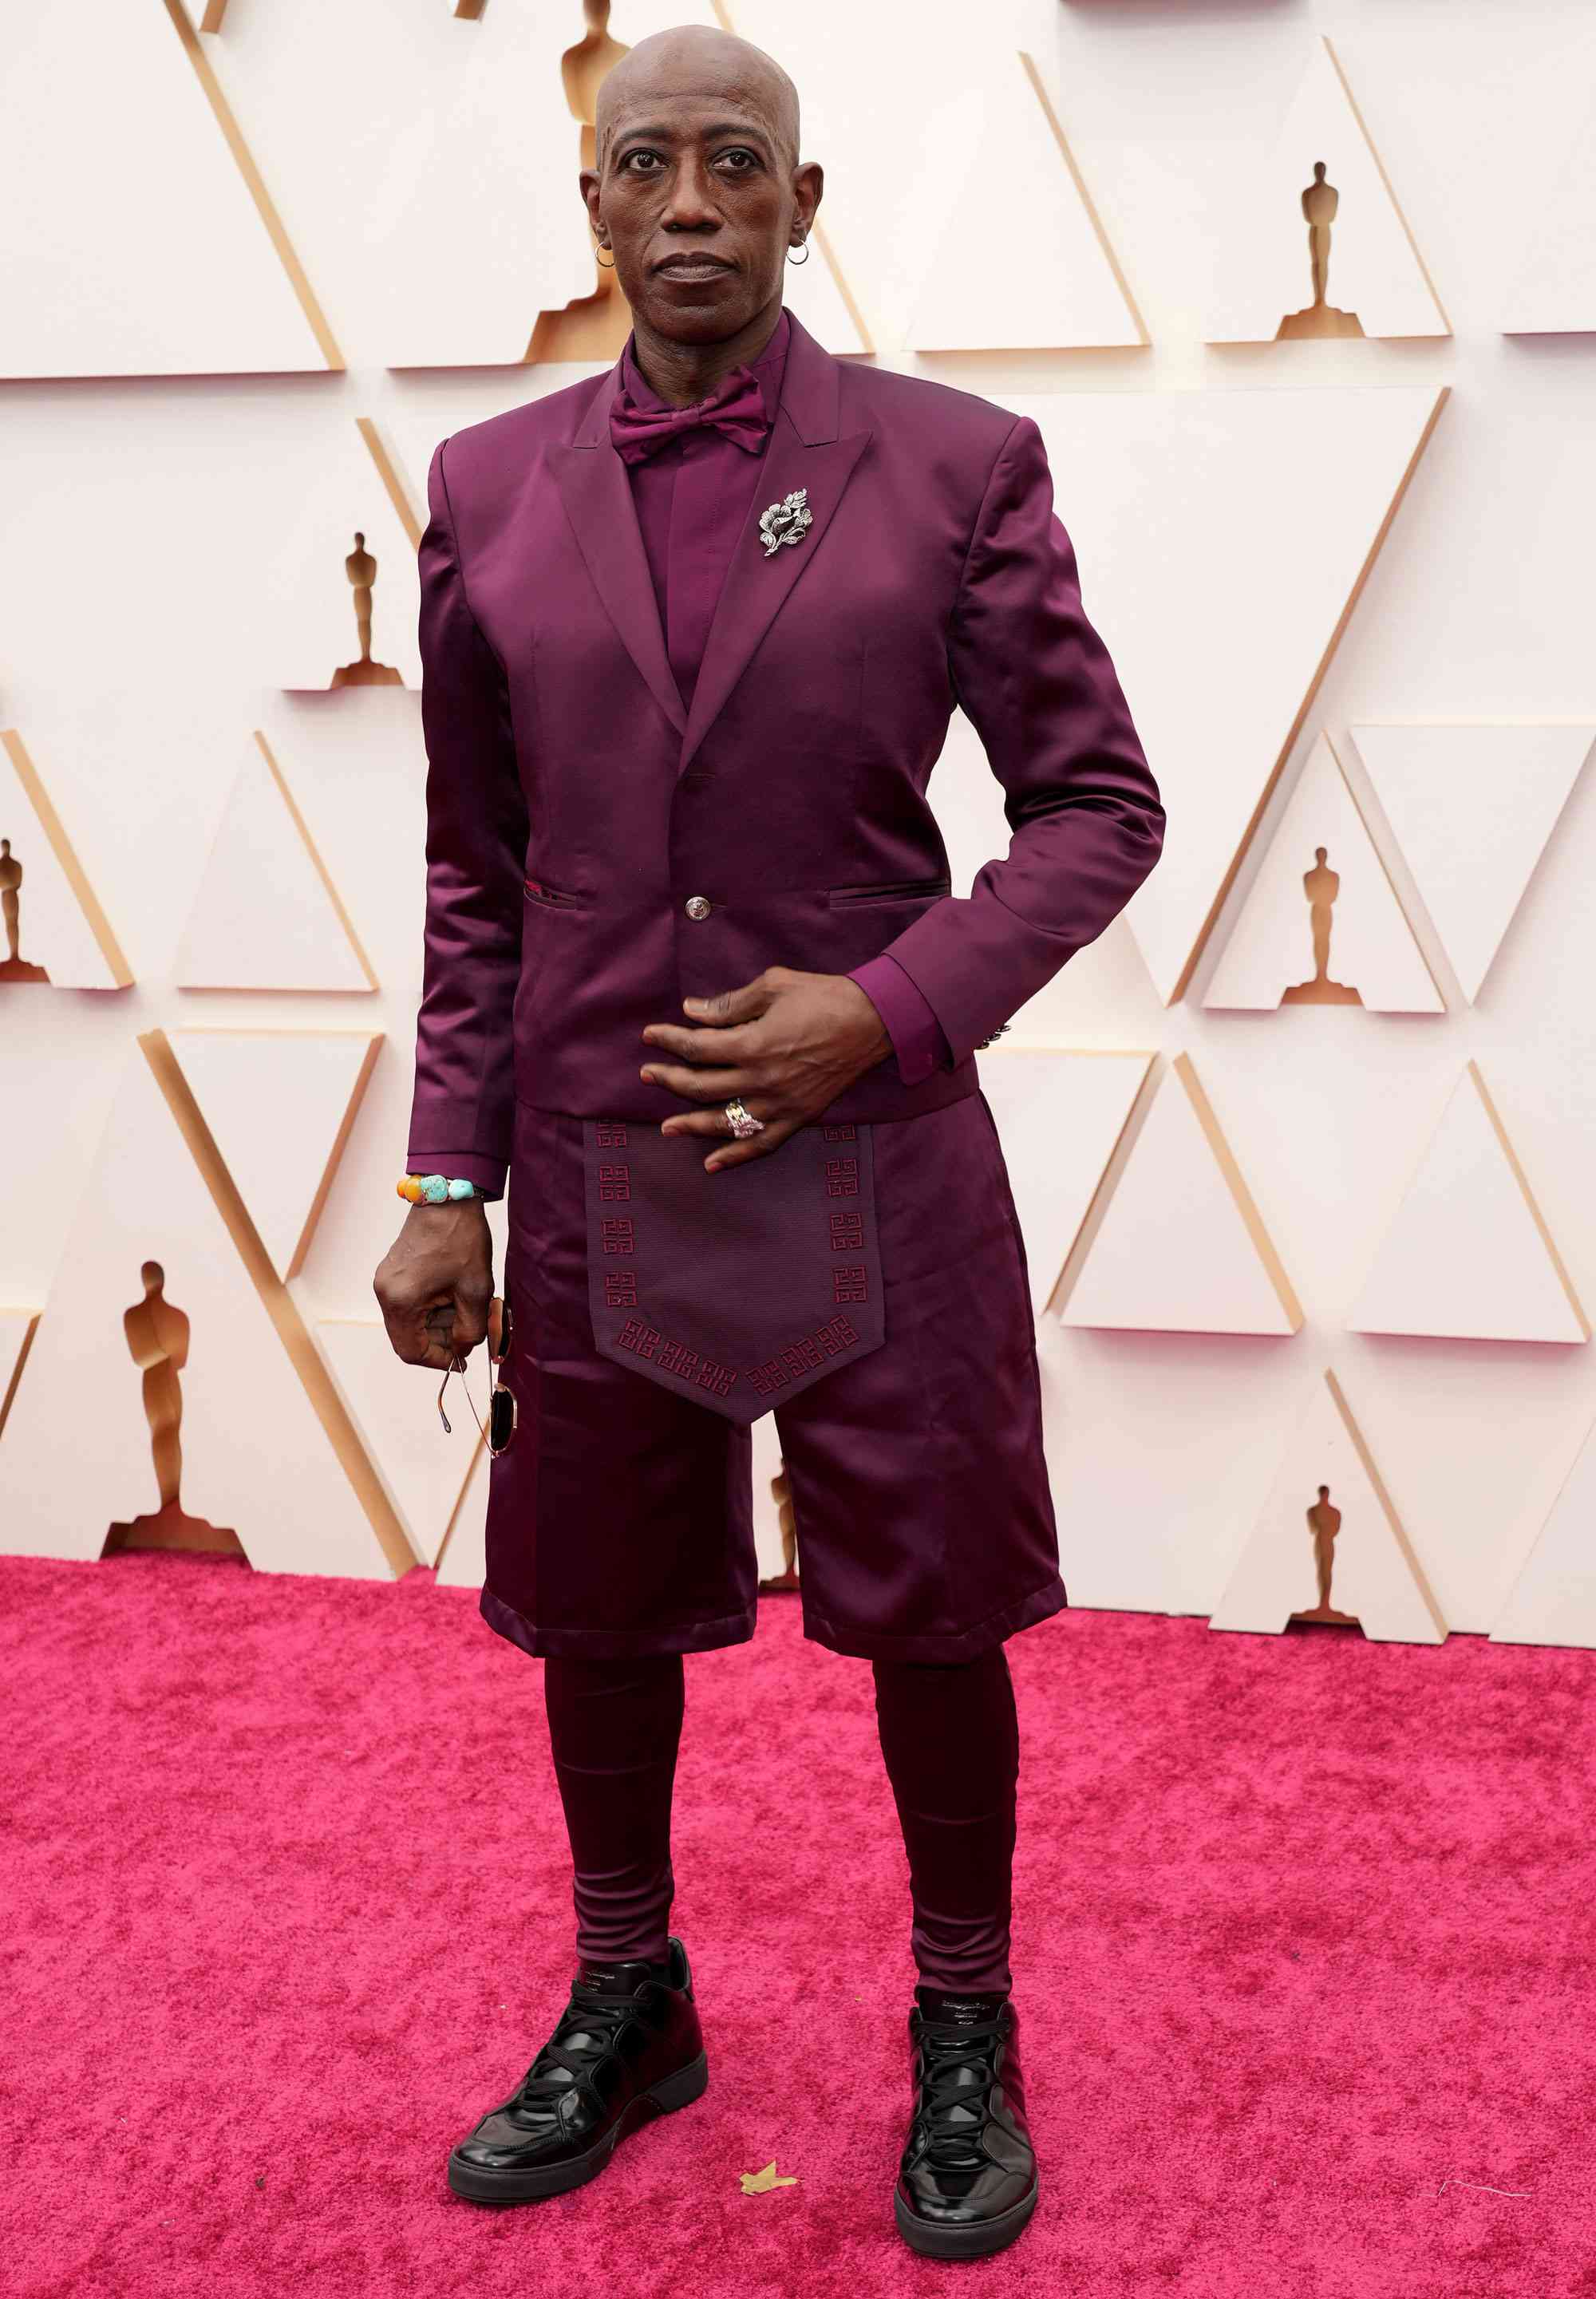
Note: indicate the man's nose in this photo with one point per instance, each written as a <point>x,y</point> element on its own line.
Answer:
<point>691,205</point>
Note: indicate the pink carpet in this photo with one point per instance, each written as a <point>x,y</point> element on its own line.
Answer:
<point>1305,1957</point>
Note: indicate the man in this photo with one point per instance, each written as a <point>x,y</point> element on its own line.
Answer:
<point>692,632</point>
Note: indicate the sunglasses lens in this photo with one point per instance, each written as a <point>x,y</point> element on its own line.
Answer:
<point>500,1418</point>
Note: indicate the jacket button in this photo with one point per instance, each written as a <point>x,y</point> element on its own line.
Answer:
<point>697,906</point>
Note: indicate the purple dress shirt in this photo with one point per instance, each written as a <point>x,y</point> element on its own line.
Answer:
<point>692,496</point>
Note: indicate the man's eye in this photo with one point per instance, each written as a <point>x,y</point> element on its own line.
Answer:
<point>635,161</point>
<point>739,161</point>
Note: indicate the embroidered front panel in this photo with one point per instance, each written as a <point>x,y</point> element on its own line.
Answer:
<point>730,1288</point>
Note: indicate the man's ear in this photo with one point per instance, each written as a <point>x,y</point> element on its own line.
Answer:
<point>809,185</point>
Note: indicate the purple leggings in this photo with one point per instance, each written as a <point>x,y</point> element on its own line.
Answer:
<point>950,1741</point>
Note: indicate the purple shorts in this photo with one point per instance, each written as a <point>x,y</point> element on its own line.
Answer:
<point>619,1520</point>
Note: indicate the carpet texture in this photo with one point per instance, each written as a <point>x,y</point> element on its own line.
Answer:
<point>1304,1956</point>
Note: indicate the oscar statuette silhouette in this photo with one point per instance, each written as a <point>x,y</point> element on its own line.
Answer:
<point>157,1335</point>
<point>13,966</point>
<point>361,568</point>
<point>1320,202</point>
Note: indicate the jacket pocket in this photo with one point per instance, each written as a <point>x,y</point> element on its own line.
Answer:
<point>888,889</point>
<point>554,898</point>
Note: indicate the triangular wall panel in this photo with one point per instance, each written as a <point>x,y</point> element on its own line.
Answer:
<point>1374,1576</point>
<point>1471,806</point>
<point>306,615</point>
<point>17,1330</point>
<point>1180,1247</point>
<point>1206,521</point>
<point>462,1560</point>
<point>1469,1254</point>
<point>61,929</point>
<point>140,236</point>
<point>281,1104</point>
<point>1294,899</point>
<point>1021,261</point>
<point>266,1448</point>
<point>1375,282</point>
<point>1553,1600</point>
<point>1060,1115</point>
<point>1554,290</point>
<point>394,1405</point>
<point>267,916</point>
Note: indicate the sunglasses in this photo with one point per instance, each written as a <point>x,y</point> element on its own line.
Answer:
<point>500,1402</point>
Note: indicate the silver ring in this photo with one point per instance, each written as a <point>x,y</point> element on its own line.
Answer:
<point>743,1122</point>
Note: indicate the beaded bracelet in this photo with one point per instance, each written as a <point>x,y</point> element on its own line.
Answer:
<point>435,1189</point>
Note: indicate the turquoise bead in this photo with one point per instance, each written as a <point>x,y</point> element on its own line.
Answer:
<point>434,1188</point>
<point>463,1188</point>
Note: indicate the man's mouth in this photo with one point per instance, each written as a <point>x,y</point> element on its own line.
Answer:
<point>691,267</point>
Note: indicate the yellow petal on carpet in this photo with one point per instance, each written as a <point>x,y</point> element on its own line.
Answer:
<point>760,2183</point>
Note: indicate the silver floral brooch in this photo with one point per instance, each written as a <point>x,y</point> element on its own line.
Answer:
<point>786,521</point>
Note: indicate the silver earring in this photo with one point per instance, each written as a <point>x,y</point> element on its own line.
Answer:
<point>803,259</point>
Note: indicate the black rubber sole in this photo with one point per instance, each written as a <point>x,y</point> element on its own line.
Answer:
<point>973,2242</point>
<point>483,2186</point>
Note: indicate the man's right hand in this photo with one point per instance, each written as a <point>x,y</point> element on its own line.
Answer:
<point>436,1283</point>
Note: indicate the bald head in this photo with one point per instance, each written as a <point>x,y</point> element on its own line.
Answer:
<point>699,194</point>
<point>697,61</point>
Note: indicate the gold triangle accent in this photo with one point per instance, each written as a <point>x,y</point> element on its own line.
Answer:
<point>16,1371</point>
<point>1536,1216</point>
<point>340,1141</point>
<point>1082,194</point>
<point>817,231</point>
<point>51,824</point>
<point>1346,86</point>
<point>1314,684</point>
<point>325,875</point>
<point>277,1301</point>
<point>387,471</point>
<point>477,1451</point>
<point>1097,1202</point>
<point>1263,1244</point>
<point>254,183</point>
<point>1398,1531</point>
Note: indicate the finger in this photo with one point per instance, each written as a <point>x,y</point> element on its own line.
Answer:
<point>466,1325</point>
<point>413,1342</point>
<point>743,1004</point>
<point>700,1085</point>
<point>756,1145</point>
<point>713,1122</point>
<point>704,1045</point>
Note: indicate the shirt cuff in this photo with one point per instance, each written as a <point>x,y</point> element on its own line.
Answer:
<point>459,1166</point>
<point>917,1037</point>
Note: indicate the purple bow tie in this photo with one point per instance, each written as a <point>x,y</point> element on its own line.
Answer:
<point>736,407</point>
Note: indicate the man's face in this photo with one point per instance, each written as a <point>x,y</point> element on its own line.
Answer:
<point>697,196</point>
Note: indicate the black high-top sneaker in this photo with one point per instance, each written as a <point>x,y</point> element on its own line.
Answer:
<point>626,2047</point>
<point>968,2182</point>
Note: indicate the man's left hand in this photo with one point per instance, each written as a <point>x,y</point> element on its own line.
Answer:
<point>786,1045</point>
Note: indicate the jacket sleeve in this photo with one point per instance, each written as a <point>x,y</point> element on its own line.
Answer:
<point>462,1110</point>
<point>1036,682</point>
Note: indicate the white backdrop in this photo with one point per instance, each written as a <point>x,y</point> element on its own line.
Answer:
<point>172,581</point>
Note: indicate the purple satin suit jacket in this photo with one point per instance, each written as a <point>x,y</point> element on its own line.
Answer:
<point>595,853</point>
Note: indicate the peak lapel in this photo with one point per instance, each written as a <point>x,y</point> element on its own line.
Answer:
<point>597,496</point>
<point>803,450</point>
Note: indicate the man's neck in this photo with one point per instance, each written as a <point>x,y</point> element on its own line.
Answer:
<point>684,373</point>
